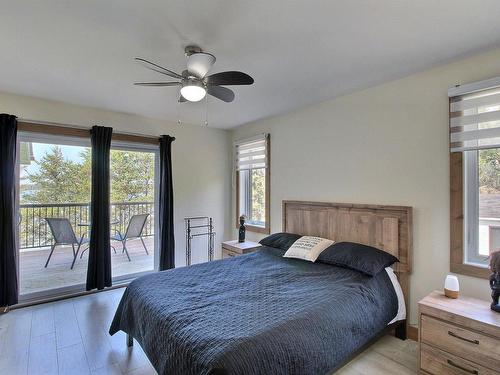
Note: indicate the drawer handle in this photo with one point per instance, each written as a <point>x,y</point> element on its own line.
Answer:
<point>463,338</point>
<point>451,363</point>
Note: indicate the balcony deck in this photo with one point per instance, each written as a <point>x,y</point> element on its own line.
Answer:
<point>35,278</point>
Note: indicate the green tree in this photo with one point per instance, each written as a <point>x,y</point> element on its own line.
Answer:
<point>132,176</point>
<point>258,194</point>
<point>489,170</point>
<point>85,170</point>
<point>57,180</point>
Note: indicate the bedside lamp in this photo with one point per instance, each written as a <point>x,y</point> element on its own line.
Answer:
<point>451,286</point>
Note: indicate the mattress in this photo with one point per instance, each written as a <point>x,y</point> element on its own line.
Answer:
<point>258,313</point>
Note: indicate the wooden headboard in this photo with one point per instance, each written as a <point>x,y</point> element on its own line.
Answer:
<point>387,228</point>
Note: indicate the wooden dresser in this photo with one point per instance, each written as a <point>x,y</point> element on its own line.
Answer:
<point>235,248</point>
<point>458,336</point>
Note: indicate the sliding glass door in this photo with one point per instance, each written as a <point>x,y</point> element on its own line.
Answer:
<point>54,185</point>
<point>133,206</point>
<point>54,194</point>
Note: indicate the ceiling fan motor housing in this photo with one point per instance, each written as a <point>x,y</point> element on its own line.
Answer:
<point>193,81</point>
<point>189,50</point>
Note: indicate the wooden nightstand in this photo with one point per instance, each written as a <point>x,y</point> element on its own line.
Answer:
<point>235,248</point>
<point>458,336</point>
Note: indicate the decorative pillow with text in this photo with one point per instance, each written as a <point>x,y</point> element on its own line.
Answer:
<point>308,248</point>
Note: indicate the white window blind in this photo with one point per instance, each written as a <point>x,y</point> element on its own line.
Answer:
<point>251,153</point>
<point>475,120</point>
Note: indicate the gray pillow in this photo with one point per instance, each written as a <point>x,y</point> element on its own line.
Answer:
<point>362,258</point>
<point>280,240</point>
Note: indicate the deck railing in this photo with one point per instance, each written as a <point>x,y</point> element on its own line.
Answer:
<point>34,230</point>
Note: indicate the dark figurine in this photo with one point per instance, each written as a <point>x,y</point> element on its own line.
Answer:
<point>241,234</point>
<point>495,280</point>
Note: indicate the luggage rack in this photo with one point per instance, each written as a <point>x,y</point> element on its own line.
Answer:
<point>199,226</point>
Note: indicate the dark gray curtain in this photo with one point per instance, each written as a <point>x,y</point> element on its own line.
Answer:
<point>99,265</point>
<point>8,268</point>
<point>166,205</point>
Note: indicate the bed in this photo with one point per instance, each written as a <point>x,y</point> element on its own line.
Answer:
<point>262,313</point>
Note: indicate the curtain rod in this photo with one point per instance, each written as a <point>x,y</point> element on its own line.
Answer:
<point>77,127</point>
<point>80,131</point>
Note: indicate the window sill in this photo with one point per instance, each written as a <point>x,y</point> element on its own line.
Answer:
<point>470,270</point>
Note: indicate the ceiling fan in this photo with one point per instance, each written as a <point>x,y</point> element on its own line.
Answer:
<point>194,82</point>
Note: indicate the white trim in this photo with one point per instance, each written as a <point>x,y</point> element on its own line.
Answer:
<point>477,148</point>
<point>53,139</point>
<point>471,208</point>
<point>473,87</point>
<point>252,166</point>
<point>156,237</point>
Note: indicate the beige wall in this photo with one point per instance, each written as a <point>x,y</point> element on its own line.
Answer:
<point>201,162</point>
<point>383,145</point>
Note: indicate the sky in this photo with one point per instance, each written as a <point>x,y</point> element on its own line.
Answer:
<point>39,149</point>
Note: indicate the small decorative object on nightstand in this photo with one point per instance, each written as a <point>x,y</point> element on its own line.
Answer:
<point>495,280</point>
<point>451,287</point>
<point>458,336</point>
<point>234,248</point>
<point>241,233</point>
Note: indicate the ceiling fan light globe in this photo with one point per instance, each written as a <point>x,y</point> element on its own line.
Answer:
<point>193,91</point>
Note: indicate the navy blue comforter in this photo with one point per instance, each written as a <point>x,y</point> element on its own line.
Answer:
<point>254,314</point>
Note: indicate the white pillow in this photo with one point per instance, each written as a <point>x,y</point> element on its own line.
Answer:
<point>308,248</point>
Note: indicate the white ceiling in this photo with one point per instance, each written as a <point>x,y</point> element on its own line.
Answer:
<point>299,52</point>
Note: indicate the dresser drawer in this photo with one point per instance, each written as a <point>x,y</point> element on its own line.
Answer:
<point>228,254</point>
<point>460,341</point>
<point>437,362</point>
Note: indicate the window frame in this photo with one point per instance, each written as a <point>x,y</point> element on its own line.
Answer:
<point>471,209</point>
<point>154,149</point>
<point>458,216</point>
<point>266,229</point>
<point>70,136</point>
<point>51,139</point>
<point>461,262</point>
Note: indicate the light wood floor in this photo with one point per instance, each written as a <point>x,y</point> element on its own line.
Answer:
<point>389,355</point>
<point>71,337</point>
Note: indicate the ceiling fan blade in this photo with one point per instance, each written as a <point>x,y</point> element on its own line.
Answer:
<point>221,93</point>
<point>200,63</point>
<point>157,68</point>
<point>157,84</point>
<point>182,99</point>
<point>229,78</point>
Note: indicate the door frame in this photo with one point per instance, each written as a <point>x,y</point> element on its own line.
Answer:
<point>82,142</point>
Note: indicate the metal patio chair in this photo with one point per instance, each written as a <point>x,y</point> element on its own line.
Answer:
<point>134,230</point>
<point>63,234</point>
